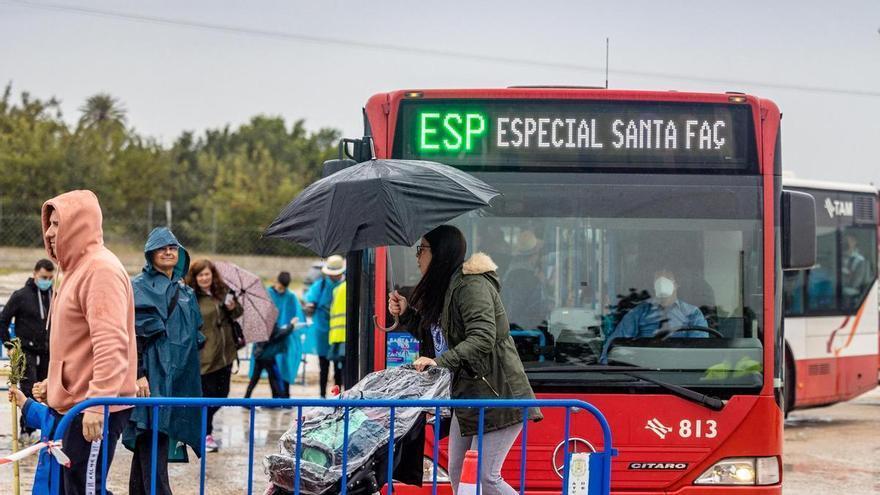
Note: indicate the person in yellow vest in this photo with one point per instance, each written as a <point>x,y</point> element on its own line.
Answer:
<point>336,336</point>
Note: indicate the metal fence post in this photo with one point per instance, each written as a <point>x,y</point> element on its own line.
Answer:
<point>251,453</point>
<point>204,458</point>
<point>437,427</point>
<point>480,428</point>
<point>524,441</point>
<point>390,474</point>
<point>104,446</point>
<point>344,481</point>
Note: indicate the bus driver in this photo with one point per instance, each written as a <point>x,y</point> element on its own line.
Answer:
<point>663,313</point>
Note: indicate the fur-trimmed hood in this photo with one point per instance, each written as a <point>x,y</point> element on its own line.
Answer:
<point>478,264</point>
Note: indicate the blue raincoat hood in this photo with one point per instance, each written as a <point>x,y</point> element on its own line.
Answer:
<point>159,238</point>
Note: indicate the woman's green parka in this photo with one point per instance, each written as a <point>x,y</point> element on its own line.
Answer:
<point>482,354</point>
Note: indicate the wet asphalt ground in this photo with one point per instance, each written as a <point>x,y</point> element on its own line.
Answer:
<point>832,450</point>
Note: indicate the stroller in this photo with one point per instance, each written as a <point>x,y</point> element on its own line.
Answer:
<point>369,431</point>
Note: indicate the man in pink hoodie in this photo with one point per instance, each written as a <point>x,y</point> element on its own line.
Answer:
<point>92,348</point>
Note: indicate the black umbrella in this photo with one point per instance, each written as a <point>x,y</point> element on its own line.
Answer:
<point>378,203</point>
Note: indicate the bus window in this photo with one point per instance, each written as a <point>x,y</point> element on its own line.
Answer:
<point>822,280</point>
<point>857,270</point>
<point>793,292</point>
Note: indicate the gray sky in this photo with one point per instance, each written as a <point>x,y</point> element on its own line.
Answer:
<point>174,77</point>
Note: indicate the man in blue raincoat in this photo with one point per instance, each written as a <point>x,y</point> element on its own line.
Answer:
<point>167,323</point>
<point>318,300</point>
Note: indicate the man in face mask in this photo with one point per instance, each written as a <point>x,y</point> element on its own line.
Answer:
<point>659,316</point>
<point>29,306</point>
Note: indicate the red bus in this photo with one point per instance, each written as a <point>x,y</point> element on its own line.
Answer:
<point>602,189</point>
<point>832,325</point>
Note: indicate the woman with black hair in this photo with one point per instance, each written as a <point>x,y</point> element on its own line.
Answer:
<point>457,315</point>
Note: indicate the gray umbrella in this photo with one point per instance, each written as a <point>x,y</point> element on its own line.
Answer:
<point>378,203</point>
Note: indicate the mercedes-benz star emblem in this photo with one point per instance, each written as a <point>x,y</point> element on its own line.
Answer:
<point>574,445</point>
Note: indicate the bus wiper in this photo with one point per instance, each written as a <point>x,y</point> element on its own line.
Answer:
<point>708,401</point>
<point>588,367</point>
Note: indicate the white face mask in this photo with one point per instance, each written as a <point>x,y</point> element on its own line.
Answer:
<point>663,288</point>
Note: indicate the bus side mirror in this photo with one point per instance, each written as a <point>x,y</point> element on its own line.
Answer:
<point>351,152</point>
<point>798,230</point>
<point>333,166</point>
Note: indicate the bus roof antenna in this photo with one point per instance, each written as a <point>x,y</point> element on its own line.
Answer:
<point>607,43</point>
<point>368,135</point>
<point>368,131</point>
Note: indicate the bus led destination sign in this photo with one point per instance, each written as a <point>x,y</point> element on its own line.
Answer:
<point>631,134</point>
<point>578,133</point>
<point>456,131</point>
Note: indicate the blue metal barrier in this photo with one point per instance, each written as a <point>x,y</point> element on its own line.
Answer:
<point>599,463</point>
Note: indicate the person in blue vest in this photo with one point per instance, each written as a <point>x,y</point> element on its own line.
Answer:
<point>318,300</point>
<point>39,417</point>
<point>167,325</point>
<point>288,362</point>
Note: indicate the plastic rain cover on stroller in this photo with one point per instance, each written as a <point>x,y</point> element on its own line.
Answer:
<point>369,428</point>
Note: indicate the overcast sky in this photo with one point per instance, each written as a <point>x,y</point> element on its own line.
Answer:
<point>190,65</point>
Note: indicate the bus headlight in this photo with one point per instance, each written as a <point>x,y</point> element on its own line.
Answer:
<point>428,472</point>
<point>742,471</point>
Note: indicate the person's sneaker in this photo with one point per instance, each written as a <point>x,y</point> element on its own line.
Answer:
<point>210,444</point>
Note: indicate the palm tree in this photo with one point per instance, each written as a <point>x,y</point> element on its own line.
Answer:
<point>102,110</point>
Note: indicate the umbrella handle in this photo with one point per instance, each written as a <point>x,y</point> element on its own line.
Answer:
<point>380,327</point>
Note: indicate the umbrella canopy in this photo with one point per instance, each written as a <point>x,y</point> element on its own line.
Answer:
<point>378,203</point>
<point>260,312</point>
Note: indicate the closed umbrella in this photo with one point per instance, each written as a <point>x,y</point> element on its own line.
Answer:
<point>260,313</point>
<point>378,203</point>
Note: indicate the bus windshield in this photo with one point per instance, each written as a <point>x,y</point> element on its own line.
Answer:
<point>598,270</point>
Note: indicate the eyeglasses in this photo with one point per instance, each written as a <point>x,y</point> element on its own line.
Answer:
<point>171,248</point>
<point>420,248</point>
